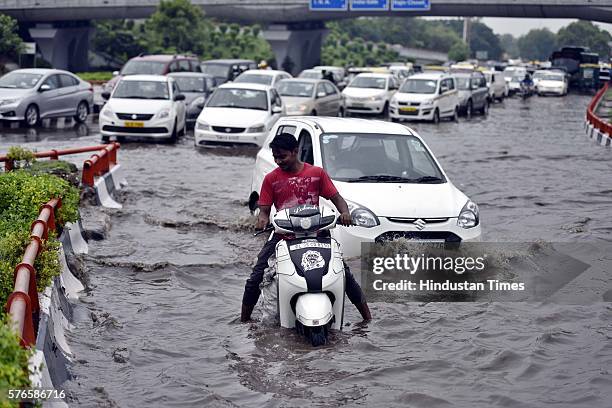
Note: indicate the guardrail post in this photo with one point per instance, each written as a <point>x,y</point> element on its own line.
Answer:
<point>54,155</point>
<point>88,176</point>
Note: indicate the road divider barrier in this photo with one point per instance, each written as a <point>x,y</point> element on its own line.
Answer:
<point>597,128</point>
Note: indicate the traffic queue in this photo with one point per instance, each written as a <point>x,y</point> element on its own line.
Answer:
<point>238,101</point>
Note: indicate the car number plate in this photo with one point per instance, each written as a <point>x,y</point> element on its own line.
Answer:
<point>408,109</point>
<point>226,137</point>
<point>134,124</point>
<point>357,103</point>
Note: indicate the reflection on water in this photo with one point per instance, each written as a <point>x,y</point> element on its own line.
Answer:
<point>56,130</point>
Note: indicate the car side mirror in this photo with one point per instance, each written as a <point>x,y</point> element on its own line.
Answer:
<point>277,109</point>
<point>321,94</point>
<point>179,97</point>
<point>442,90</point>
<point>105,95</point>
<point>115,73</point>
<point>44,88</point>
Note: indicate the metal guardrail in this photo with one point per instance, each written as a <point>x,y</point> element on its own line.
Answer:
<point>594,120</point>
<point>22,305</point>
<point>99,164</point>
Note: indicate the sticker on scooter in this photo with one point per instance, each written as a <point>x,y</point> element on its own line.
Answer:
<point>315,244</point>
<point>312,260</point>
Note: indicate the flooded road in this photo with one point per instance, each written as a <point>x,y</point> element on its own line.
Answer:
<point>158,325</point>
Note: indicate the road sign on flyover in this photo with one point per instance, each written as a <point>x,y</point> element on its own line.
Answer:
<point>373,5</point>
<point>408,5</point>
<point>329,5</point>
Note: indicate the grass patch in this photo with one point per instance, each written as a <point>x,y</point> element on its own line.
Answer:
<point>95,76</point>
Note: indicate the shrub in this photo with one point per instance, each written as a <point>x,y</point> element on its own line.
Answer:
<point>13,363</point>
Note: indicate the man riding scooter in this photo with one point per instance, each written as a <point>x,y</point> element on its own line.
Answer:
<point>291,184</point>
<point>527,86</point>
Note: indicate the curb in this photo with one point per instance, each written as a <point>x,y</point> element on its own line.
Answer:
<point>598,136</point>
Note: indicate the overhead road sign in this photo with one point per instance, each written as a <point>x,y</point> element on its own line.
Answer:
<point>370,5</point>
<point>329,5</point>
<point>410,5</point>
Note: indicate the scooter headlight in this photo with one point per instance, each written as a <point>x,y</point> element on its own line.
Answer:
<point>469,217</point>
<point>362,217</point>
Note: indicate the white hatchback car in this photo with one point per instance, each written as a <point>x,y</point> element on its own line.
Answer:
<point>393,184</point>
<point>262,76</point>
<point>144,106</point>
<point>428,96</point>
<point>370,93</point>
<point>552,83</point>
<point>238,113</point>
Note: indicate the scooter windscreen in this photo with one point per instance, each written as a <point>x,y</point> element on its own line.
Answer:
<point>304,219</point>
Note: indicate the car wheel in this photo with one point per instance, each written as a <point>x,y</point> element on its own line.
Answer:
<point>485,108</point>
<point>469,110</point>
<point>455,117</point>
<point>81,112</point>
<point>174,136</point>
<point>385,111</point>
<point>313,113</point>
<point>341,113</point>
<point>32,117</point>
<point>436,117</point>
<point>105,139</point>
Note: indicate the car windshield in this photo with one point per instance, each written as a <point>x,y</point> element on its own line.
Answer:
<point>19,80</point>
<point>141,90</point>
<point>311,74</point>
<point>255,79</point>
<point>191,84</point>
<point>296,89</point>
<point>463,83</point>
<point>369,82</point>
<point>218,70</point>
<point>552,77</point>
<point>539,75</point>
<point>239,98</point>
<point>136,67</point>
<point>419,86</point>
<point>383,158</point>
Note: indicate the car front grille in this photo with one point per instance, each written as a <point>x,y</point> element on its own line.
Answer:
<point>412,220</point>
<point>409,113</point>
<point>227,129</point>
<point>134,116</point>
<point>445,236</point>
<point>134,130</point>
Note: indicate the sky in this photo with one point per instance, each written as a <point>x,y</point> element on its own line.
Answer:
<point>520,26</point>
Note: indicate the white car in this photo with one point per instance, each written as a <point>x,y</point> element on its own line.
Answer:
<point>498,89</point>
<point>370,93</point>
<point>262,76</point>
<point>513,77</point>
<point>393,184</point>
<point>238,113</point>
<point>552,83</point>
<point>144,106</point>
<point>429,96</point>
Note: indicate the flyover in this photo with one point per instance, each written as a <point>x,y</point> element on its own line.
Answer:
<point>294,30</point>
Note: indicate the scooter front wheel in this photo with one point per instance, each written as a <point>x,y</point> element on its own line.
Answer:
<point>318,335</point>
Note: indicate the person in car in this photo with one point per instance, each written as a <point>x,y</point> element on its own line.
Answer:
<point>291,184</point>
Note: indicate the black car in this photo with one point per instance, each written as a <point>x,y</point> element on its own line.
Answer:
<point>197,87</point>
<point>224,70</point>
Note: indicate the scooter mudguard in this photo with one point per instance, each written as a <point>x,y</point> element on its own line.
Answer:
<point>314,309</point>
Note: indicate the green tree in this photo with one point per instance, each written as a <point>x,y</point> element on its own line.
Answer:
<point>119,39</point>
<point>537,44</point>
<point>585,33</point>
<point>459,52</point>
<point>509,45</point>
<point>10,42</point>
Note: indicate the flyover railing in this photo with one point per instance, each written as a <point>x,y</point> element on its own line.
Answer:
<point>98,164</point>
<point>602,125</point>
<point>22,305</point>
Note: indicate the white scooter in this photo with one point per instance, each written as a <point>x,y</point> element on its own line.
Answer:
<point>310,272</point>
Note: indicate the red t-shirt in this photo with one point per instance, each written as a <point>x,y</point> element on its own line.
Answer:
<point>286,190</point>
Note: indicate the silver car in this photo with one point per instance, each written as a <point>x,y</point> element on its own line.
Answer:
<point>304,96</point>
<point>30,95</point>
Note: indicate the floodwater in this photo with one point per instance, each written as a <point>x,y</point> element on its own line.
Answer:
<point>158,326</point>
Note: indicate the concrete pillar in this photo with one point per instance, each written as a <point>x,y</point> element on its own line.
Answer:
<point>64,47</point>
<point>301,45</point>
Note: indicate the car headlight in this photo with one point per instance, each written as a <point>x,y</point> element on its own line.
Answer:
<point>256,129</point>
<point>8,101</point>
<point>362,217</point>
<point>107,112</point>
<point>393,101</point>
<point>162,114</point>
<point>197,101</point>
<point>376,98</point>
<point>427,103</point>
<point>298,108</point>
<point>202,126</point>
<point>469,216</point>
